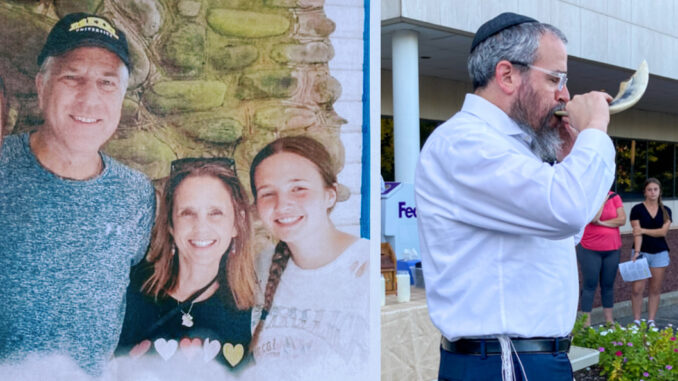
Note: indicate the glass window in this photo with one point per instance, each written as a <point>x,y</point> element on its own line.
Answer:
<point>426,128</point>
<point>387,158</point>
<point>631,161</point>
<point>636,161</point>
<point>387,155</point>
<point>625,161</point>
<point>660,165</point>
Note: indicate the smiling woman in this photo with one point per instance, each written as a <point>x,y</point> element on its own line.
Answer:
<point>312,301</point>
<point>196,289</point>
<point>203,224</point>
<point>650,221</point>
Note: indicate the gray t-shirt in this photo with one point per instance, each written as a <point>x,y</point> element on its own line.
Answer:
<point>66,248</point>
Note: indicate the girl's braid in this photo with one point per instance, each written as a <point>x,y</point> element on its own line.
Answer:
<point>280,258</point>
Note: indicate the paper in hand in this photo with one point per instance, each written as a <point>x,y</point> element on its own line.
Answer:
<point>637,270</point>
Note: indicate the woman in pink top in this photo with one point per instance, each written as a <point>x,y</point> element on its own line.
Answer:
<point>598,255</point>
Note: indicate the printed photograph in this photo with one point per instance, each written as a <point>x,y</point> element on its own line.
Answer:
<point>184,190</point>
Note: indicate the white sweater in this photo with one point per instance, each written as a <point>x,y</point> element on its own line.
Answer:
<point>317,327</point>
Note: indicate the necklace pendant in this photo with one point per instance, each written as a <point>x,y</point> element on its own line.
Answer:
<point>187,320</point>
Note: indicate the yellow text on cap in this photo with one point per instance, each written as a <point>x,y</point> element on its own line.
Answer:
<point>93,22</point>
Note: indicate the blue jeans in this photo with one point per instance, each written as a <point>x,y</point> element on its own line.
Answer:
<point>538,367</point>
<point>660,259</point>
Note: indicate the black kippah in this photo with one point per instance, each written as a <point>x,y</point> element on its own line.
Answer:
<point>497,24</point>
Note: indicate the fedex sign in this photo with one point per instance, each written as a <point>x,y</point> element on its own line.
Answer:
<point>406,210</point>
<point>399,217</point>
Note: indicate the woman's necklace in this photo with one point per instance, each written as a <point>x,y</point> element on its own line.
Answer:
<point>186,317</point>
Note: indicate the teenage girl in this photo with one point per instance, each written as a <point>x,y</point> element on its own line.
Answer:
<point>650,221</point>
<point>315,283</point>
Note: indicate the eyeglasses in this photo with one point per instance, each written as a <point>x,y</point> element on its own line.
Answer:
<point>562,77</point>
<point>194,162</point>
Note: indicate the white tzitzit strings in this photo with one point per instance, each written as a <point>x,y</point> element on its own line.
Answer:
<point>507,371</point>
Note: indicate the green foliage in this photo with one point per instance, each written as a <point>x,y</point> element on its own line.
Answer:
<point>639,159</point>
<point>426,127</point>
<point>387,154</point>
<point>631,352</point>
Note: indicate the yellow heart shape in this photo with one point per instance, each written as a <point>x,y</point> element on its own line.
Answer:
<point>233,354</point>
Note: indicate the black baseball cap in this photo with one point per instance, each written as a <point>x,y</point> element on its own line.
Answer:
<point>82,29</point>
<point>497,24</point>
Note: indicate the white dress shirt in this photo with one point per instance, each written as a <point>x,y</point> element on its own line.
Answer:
<point>496,224</point>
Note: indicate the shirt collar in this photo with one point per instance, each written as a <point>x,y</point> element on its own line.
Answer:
<point>494,116</point>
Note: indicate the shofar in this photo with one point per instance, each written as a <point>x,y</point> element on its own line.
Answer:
<point>630,91</point>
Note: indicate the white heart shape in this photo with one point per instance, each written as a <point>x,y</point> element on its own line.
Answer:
<point>165,348</point>
<point>210,349</point>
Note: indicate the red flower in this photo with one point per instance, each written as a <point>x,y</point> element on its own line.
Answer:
<point>618,353</point>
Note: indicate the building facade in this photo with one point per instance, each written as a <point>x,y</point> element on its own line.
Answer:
<point>424,48</point>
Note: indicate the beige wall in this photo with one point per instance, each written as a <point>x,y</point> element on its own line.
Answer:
<point>440,98</point>
<point>625,31</point>
<point>645,125</point>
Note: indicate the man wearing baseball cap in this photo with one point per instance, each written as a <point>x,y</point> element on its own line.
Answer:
<point>501,190</point>
<point>73,219</point>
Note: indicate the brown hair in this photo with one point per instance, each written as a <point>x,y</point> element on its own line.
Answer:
<point>653,180</point>
<point>315,152</point>
<point>236,268</point>
<point>304,146</point>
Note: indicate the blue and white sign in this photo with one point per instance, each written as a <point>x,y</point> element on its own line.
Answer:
<point>399,220</point>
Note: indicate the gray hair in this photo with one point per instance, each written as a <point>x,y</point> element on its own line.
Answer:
<point>48,64</point>
<point>515,44</point>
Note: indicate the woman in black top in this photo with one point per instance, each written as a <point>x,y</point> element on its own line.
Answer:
<point>650,221</point>
<point>192,298</point>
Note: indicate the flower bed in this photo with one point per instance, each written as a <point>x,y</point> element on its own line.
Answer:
<point>631,352</point>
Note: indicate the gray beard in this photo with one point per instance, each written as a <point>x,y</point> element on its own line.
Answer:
<point>545,143</point>
<point>546,140</point>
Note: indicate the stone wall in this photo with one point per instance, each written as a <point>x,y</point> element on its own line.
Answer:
<point>210,77</point>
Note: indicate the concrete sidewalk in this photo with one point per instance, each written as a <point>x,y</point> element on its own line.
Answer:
<point>667,313</point>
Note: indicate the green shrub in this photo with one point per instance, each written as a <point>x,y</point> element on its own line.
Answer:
<point>631,352</point>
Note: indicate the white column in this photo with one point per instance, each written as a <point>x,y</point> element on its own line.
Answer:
<point>405,103</point>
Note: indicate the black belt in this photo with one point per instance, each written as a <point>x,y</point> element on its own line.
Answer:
<point>492,346</point>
